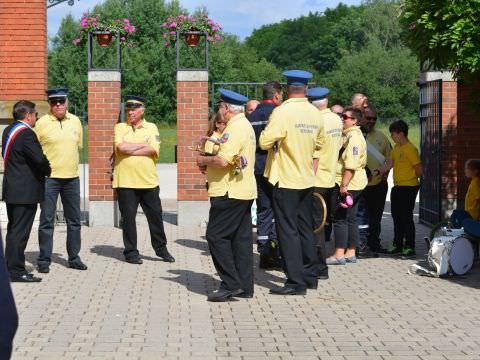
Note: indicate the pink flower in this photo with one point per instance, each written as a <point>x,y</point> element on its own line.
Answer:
<point>167,44</point>
<point>76,41</point>
<point>122,39</point>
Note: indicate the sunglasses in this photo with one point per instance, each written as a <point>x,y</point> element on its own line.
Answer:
<point>57,101</point>
<point>345,117</point>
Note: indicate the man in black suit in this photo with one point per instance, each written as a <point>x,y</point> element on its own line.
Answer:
<point>23,185</point>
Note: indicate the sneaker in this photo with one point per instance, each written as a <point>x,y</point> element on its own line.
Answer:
<point>408,252</point>
<point>394,250</point>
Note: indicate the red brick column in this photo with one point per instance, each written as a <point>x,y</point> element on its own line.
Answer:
<point>104,98</point>
<point>192,122</point>
<point>23,49</point>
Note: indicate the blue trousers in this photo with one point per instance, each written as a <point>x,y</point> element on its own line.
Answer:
<point>69,191</point>
<point>265,218</point>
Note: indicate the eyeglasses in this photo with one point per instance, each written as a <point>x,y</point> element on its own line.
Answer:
<point>345,117</point>
<point>57,101</point>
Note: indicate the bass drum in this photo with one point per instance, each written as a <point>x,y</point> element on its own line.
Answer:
<point>461,256</point>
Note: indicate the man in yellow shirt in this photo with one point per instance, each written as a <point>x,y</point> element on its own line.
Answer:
<point>60,135</point>
<point>137,145</point>
<point>291,136</point>
<point>232,189</point>
<point>375,194</point>
<point>326,165</point>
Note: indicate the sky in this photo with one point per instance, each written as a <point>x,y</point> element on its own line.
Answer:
<point>239,17</point>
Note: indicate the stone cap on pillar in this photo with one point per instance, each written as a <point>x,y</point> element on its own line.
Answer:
<point>192,75</point>
<point>99,75</point>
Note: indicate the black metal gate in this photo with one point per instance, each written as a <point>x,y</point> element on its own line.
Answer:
<point>430,209</point>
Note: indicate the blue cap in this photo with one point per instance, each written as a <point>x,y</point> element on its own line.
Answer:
<point>57,93</point>
<point>134,101</point>
<point>297,77</point>
<point>231,97</point>
<point>317,93</point>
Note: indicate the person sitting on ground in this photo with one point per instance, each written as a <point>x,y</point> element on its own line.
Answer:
<point>472,198</point>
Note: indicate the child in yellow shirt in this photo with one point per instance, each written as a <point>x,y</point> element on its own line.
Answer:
<point>472,199</point>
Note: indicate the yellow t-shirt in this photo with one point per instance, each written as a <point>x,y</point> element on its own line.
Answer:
<point>238,138</point>
<point>405,158</point>
<point>136,172</point>
<point>60,141</point>
<point>472,199</point>
<point>328,154</point>
<point>354,157</point>
<point>380,142</point>
<point>291,137</point>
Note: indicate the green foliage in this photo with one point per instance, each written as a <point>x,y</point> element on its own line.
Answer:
<point>148,68</point>
<point>444,34</point>
<point>387,76</point>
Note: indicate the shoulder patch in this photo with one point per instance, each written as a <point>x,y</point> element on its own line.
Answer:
<point>355,150</point>
<point>224,138</point>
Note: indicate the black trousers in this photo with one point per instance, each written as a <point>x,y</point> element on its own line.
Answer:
<point>375,196</point>
<point>149,200</point>
<point>326,232</point>
<point>230,239</point>
<point>345,225</point>
<point>20,221</point>
<point>294,222</point>
<point>8,312</point>
<point>265,218</point>
<point>403,202</point>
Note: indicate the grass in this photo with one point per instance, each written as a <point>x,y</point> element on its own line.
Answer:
<point>413,133</point>
<point>168,136</point>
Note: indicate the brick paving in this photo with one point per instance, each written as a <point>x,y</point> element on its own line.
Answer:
<point>372,310</point>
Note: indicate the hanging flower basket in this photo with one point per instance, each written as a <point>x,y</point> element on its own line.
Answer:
<point>191,28</point>
<point>104,30</point>
<point>104,38</point>
<point>191,39</point>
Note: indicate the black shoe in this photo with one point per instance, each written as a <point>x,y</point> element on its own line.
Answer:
<point>323,275</point>
<point>365,252</point>
<point>381,250</point>
<point>165,255</point>
<point>312,285</point>
<point>223,295</point>
<point>25,278</point>
<point>135,260</point>
<point>44,269</point>
<point>77,265</point>
<point>287,290</point>
<point>269,262</point>
<point>244,295</point>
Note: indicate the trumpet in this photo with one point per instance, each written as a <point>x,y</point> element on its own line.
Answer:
<point>320,198</point>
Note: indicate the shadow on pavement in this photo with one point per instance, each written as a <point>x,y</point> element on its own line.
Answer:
<point>194,244</point>
<point>114,252</point>
<point>31,257</point>
<point>195,282</point>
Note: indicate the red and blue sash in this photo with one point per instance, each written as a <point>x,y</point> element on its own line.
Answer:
<point>13,133</point>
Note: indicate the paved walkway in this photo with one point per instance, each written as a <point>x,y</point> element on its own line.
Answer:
<point>370,310</point>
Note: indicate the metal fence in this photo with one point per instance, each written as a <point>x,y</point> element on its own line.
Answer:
<point>430,209</point>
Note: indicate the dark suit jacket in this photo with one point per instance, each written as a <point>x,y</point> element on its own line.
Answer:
<point>26,169</point>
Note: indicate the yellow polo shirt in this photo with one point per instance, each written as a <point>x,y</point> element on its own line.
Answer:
<point>60,141</point>
<point>131,171</point>
<point>292,135</point>
<point>328,154</point>
<point>405,157</point>
<point>354,158</point>
<point>380,142</point>
<point>238,138</point>
<point>472,199</point>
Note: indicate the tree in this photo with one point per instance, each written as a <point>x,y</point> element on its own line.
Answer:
<point>444,34</point>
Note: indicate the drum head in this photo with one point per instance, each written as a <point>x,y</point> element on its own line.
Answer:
<point>461,256</point>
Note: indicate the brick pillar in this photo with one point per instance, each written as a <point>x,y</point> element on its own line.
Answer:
<point>192,122</point>
<point>104,93</point>
<point>468,128</point>
<point>23,49</point>
<point>449,145</point>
